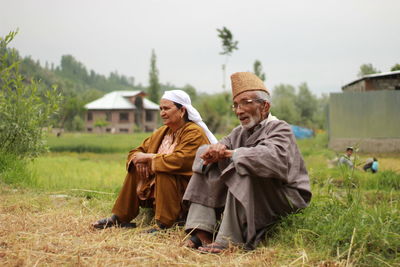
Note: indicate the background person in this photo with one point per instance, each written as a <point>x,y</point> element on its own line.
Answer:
<point>160,168</point>
<point>371,164</point>
<point>346,160</point>
<point>256,174</point>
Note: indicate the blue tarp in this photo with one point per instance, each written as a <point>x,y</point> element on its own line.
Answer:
<point>301,132</point>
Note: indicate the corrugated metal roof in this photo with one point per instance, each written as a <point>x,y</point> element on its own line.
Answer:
<point>118,100</point>
<point>375,75</point>
<point>147,104</point>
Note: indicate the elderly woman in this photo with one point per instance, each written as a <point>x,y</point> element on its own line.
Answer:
<point>160,168</point>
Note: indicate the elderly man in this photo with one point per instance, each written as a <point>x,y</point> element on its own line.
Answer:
<point>255,175</point>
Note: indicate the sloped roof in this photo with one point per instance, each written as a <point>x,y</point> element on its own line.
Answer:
<point>119,100</point>
<point>375,75</point>
<point>147,104</point>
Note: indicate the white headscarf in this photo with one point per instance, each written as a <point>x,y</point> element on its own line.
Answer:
<point>181,97</point>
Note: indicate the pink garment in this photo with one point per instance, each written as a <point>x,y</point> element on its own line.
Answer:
<point>167,145</point>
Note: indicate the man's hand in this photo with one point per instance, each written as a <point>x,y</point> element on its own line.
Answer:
<point>214,153</point>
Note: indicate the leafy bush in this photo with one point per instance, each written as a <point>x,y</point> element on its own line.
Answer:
<point>24,110</point>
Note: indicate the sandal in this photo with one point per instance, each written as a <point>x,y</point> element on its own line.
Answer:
<point>160,227</point>
<point>196,242</point>
<point>112,221</point>
<point>126,225</point>
<point>153,230</point>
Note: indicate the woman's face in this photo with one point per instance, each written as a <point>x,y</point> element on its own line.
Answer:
<point>170,114</point>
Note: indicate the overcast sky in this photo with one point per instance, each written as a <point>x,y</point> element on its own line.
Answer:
<point>319,42</point>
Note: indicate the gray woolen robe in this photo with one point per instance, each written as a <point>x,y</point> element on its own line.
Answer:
<point>266,174</point>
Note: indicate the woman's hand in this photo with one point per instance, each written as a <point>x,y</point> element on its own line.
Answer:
<point>142,170</point>
<point>142,163</point>
<point>142,157</point>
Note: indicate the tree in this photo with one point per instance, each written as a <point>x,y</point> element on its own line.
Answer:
<point>395,67</point>
<point>24,109</point>
<point>283,103</point>
<point>228,46</point>
<point>72,106</point>
<point>257,67</point>
<point>73,69</point>
<point>306,103</point>
<point>216,112</point>
<point>139,113</point>
<point>301,108</point>
<point>154,85</point>
<point>283,91</point>
<point>285,109</point>
<point>77,123</point>
<point>101,123</point>
<point>321,115</point>
<point>191,91</point>
<point>366,69</point>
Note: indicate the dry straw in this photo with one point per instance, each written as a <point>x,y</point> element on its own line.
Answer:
<point>40,230</point>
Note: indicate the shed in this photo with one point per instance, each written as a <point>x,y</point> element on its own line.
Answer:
<point>367,114</point>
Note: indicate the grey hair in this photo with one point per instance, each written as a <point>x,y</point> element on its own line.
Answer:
<point>264,96</point>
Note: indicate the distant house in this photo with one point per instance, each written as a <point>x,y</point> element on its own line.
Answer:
<point>373,82</point>
<point>367,114</point>
<point>121,112</point>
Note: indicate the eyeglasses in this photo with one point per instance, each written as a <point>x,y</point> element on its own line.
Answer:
<point>245,103</point>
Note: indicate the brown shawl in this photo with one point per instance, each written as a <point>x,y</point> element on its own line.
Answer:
<point>178,163</point>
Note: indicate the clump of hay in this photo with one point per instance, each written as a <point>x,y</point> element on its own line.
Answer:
<point>40,229</point>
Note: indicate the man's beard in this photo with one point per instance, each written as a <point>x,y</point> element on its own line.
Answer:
<point>254,120</point>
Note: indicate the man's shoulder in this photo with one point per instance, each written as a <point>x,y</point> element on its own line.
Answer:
<point>277,122</point>
<point>267,125</point>
<point>276,125</point>
<point>237,129</point>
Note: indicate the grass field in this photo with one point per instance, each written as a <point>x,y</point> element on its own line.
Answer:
<point>96,143</point>
<point>47,205</point>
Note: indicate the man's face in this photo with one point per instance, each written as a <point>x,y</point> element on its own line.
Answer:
<point>349,152</point>
<point>250,113</point>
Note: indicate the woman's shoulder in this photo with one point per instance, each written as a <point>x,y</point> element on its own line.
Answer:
<point>188,127</point>
<point>191,126</point>
<point>160,130</point>
<point>193,130</point>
